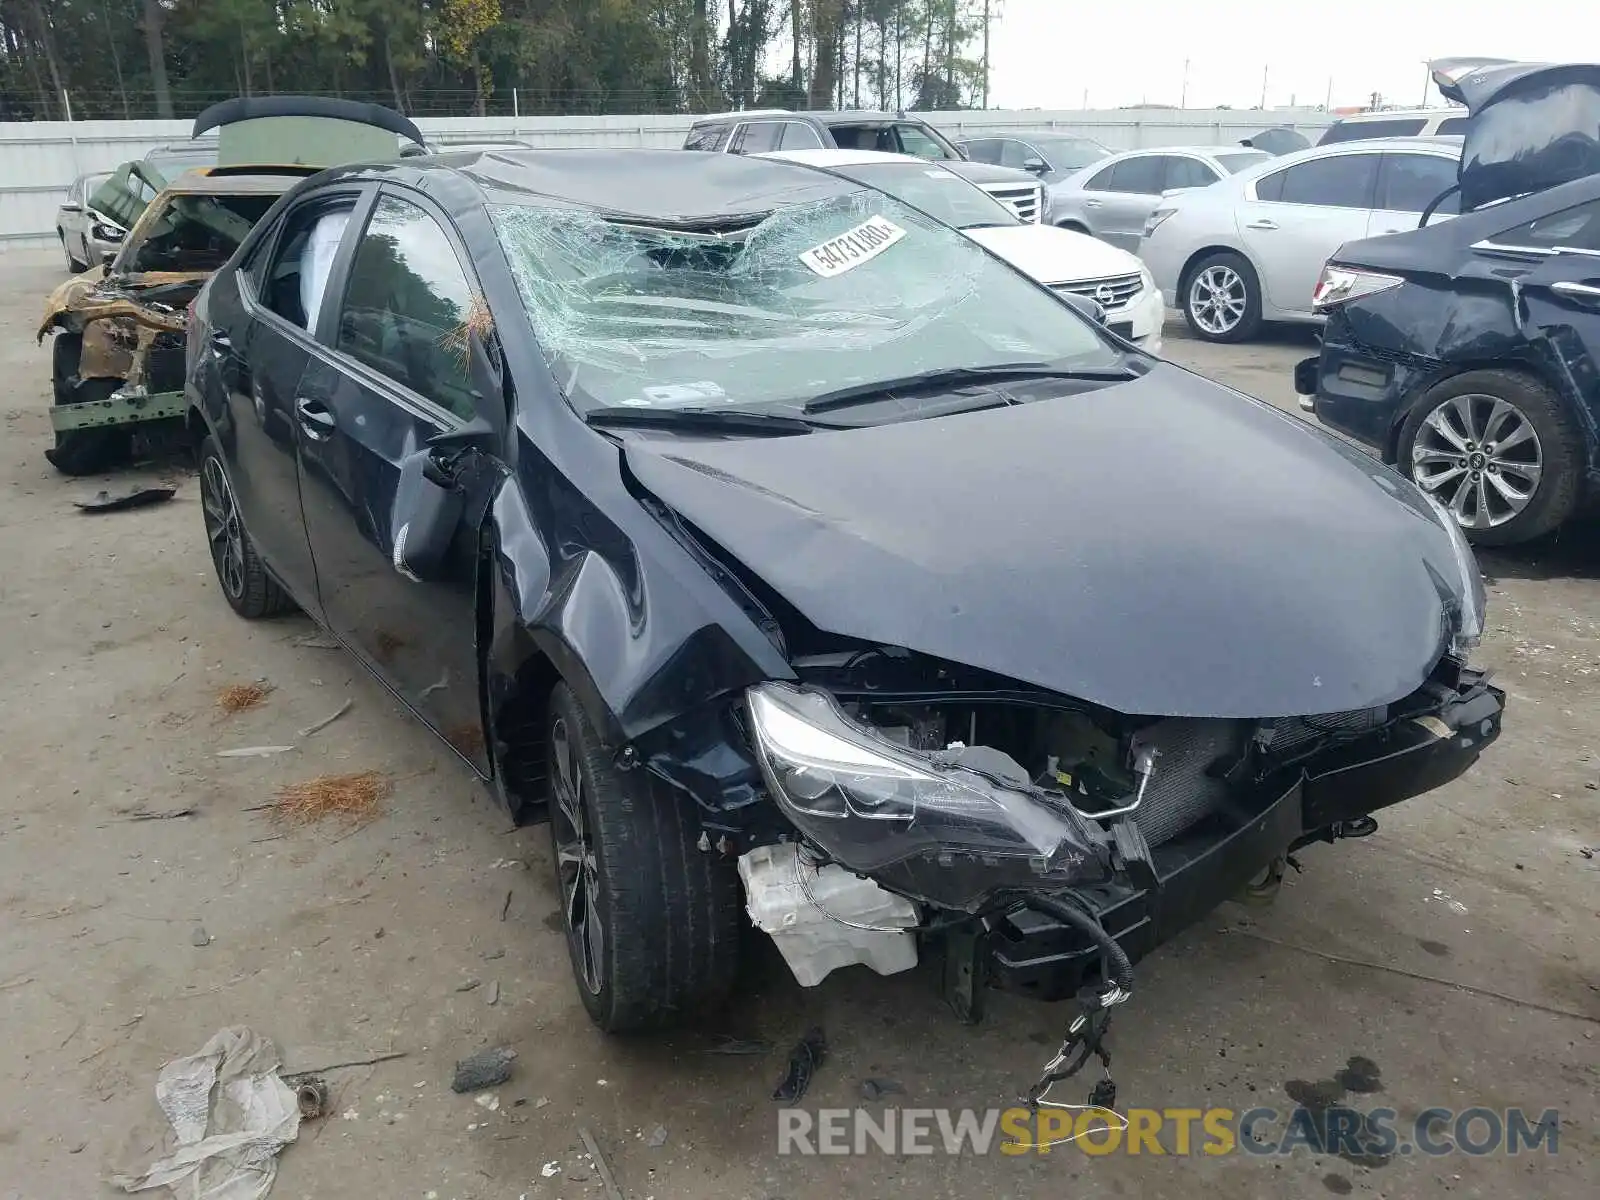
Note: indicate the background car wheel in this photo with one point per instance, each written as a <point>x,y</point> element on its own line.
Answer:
<point>250,590</point>
<point>73,265</point>
<point>1222,298</point>
<point>653,923</point>
<point>1499,450</point>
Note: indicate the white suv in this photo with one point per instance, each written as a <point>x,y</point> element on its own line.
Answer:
<point>1396,122</point>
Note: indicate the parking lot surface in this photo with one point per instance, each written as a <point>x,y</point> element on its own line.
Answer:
<point>1456,951</point>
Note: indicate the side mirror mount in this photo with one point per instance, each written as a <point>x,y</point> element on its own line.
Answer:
<point>1087,306</point>
<point>1035,164</point>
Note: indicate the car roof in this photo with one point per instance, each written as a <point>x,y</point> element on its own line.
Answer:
<point>658,187</point>
<point>1431,141</point>
<point>1401,114</point>
<point>1231,148</point>
<point>847,158</point>
<point>829,116</point>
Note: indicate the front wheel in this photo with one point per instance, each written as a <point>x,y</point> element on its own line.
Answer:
<point>1499,450</point>
<point>652,921</point>
<point>1222,299</point>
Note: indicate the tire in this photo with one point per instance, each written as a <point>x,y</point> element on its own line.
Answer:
<point>669,914</point>
<point>83,451</point>
<point>1465,406</point>
<point>1222,275</point>
<point>249,588</point>
<point>73,265</point>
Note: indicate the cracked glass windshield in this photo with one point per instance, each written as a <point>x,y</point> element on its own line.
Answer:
<point>937,192</point>
<point>844,292</point>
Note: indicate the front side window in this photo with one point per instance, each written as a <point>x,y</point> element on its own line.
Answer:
<point>758,137</point>
<point>407,306</point>
<point>940,193</point>
<point>293,283</point>
<point>193,233</point>
<point>1142,175</point>
<point>853,289</point>
<point>1410,182</point>
<point>1014,154</point>
<point>1578,227</point>
<point>1070,153</point>
<point>797,135</point>
<point>923,142</point>
<point>984,150</point>
<point>1338,181</point>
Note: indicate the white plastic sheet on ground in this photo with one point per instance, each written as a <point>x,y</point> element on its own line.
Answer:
<point>230,1114</point>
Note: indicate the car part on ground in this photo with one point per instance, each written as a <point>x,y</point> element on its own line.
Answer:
<point>1247,251</point>
<point>118,359</point>
<point>1069,264</point>
<point>698,606</point>
<point>1467,353</point>
<point>1113,198</point>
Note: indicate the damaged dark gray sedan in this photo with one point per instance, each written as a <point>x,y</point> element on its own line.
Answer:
<point>797,558</point>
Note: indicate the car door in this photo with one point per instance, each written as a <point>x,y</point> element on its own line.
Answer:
<point>1133,191</point>
<point>260,339</point>
<point>1298,216</point>
<point>392,377</point>
<point>1409,181</point>
<point>74,222</point>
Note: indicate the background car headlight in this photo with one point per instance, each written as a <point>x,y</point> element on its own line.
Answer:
<point>945,834</point>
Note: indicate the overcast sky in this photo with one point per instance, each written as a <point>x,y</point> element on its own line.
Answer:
<point>1047,53</point>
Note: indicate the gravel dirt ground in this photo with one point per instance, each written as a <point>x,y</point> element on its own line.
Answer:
<point>433,931</point>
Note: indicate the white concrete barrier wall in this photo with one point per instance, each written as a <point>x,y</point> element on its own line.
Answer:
<point>40,159</point>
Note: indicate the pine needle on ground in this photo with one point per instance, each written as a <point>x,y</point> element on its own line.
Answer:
<point>237,697</point>
<point>354,799</point>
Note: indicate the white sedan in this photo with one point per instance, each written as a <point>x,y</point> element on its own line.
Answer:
<point>1250,249</point>
<point>1058,258</point>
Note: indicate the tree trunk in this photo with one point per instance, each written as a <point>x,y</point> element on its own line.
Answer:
<point>156,47</point>
<point>858,20</point>
<point>825,40</point>
<point>795,21</point>
<point>700,55</point>
<point>47,43</point>
<point>394,77</point>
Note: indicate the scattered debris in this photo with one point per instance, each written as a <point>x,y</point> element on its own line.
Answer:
<point>489,1100</point>
<point>226,1146</point>
<point>468,985</point>
<point>312,642</point>
<point>613,1192</point>
<point>541,1101</point>
<point>200,937</point>
<point>237,697</point>
<point>804,1060</point>
<point>485,1069</point>
<point>254,751</point>
<point>877,1089</point>
<point>494,993</point>
<point>1589,851</point>
<point>387,644</point>
<point>657,1138</point>
<point>733,1045</point>
<point>310,1072</point>
<point>506,907</point>
<point>318,726</point>
<point>169,815</point>
<point>550,1170</point>
<point>312,1098</point>
<point>442,683</point>
<point>355,797</point>
<point>105,501</point>
<point>494,954</point>
<point>1449,901</point>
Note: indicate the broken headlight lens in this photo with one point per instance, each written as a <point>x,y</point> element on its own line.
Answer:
<point>943,834</point>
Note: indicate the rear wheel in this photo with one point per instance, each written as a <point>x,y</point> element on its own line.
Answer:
<point>1222,298</point>
<point>652,922</point>
<point>1499,450</point>
<point>250,590</point>
<point>83,451</point>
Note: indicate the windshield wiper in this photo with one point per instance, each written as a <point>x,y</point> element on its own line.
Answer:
<point>710,420</point>
<point>954,377</point>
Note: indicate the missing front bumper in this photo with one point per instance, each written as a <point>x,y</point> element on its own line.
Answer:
<point>129,410</point>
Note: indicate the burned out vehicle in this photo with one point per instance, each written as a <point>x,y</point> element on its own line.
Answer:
<point>117,355</point>
<point>1467,353</point>
<point>766,534</point>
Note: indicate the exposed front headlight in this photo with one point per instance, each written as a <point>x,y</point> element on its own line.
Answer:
<point>1340,285</point>
<point>1470,618</point>
<point>943,833</point>
<point>105,229</point>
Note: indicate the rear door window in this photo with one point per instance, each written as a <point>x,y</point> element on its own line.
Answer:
<point>407,305</point>
<point>1143,175</point>
<point>295,280</point>
<point>1410,182</point>
<point>1188,172</point>
<point>1338,181</point>
<point>757,137</point>
<point>1354,131</point>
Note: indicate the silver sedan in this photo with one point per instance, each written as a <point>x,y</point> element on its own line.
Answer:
<point>1250,249</point>
<point>1112,198</point>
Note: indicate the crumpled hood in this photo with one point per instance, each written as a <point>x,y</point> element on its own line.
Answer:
<point>1053,255</point>
<point>1163,547</point>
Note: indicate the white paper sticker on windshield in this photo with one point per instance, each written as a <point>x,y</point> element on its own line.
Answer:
<point>852,248</point>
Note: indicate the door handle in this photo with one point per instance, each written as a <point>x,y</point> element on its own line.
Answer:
<point>1263,223</point>
<point>1091,204</point>
<point>315,420</point>
<point>1581,291</point>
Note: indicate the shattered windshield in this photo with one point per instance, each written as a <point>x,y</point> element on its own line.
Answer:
<point>936,191</point>
<point>846,291</point>
<point>193,233</point>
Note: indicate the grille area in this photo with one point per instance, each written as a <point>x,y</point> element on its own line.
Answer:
<point>1026,200</point>
<point>1180,792</point>
<point>1113,292</point>
<point>1287,735</point>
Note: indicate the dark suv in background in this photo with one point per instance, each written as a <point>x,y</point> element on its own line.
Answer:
<point>760,130</point>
